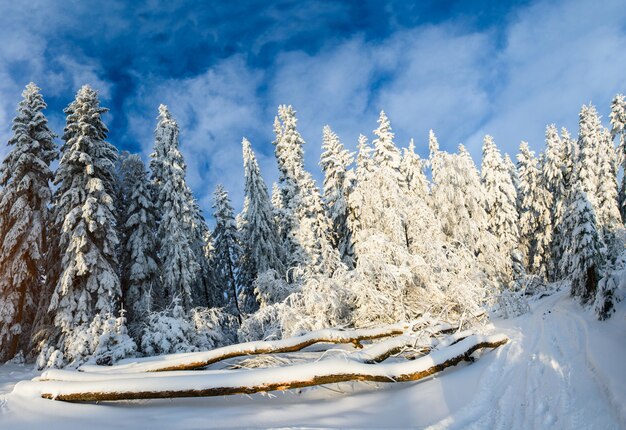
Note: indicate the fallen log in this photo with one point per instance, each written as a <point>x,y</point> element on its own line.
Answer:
<point>375,353</point>
<point>198,384</point>
<point>197,360</point>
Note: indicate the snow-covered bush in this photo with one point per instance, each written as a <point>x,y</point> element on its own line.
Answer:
<point>511,303</point>
<point>172,330</point>
<point>319,302</point>
<point>103,341</point>
<point>168,331</point>
<point>611,289</point>
<point>214,327</point>
<point>270,287</point>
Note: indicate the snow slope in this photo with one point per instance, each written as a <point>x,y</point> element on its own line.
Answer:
<point>561,369</point>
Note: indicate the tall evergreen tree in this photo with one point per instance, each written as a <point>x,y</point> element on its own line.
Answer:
<point>412,167</point>
<point>138,257</point>
<point>589,142</point>
<point>500,198</point>
<point>386,154</point>
<point>607,214</point>
<point>226,244</point>
<point>535,223</point>
<point>85,217</point>
<point>552,179</point>
<point>179,265</point>
<point>24,197</point>
<point>582,256</point>
<point>338,181</point>
<point>262,251</point>
<point>382,193</point>
<point>206,293</point>
<point>618,128</point>
<point>306,224</point>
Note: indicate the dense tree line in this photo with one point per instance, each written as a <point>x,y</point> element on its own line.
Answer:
<point>103,259</point>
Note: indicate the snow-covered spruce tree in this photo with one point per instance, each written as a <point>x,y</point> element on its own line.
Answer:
<point>306,225</point>
<point>552,179</point>
<point>535,216</point>
<point>608,215</point>
<point>138,257</point>
<point>261,249</point>
<point>500,198</point>
<point>382,194</point>
<point>588,145</point>
<point>338,182</point>
<point>363,170</point>
<point>226,243</point>
<point>84,215</point>
<point>618,128</point>
<point>412,167</point>
<point>458,203</point>
<point>582,256</point>
<point>24,198</point>
<point>386,154</point>
<point>206,293</point>
<point>179,265</point>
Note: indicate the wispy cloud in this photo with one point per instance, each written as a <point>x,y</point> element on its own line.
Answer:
<point>223,71</point>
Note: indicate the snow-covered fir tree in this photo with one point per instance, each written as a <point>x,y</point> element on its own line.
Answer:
<point>412,167</point>
<point>226,243</point>
<point>386,154</point>
<point>500,198</point>
<point>607,213</point>
<point>305,223</point>
<point>459,205</point>
<point>179,265</point>
<point>552,180</point>
<point>338,182</point>
<point>261,248</point>
<point>618,129</point>
<point>206,292</point>
<point>364,168</point>
<point>381,195</point>
<point>84,215</point>
<point>582,258</point>
<point>140,274</point>
<point>24,197</point>
<point>535,214</point>
<point>588,145</point>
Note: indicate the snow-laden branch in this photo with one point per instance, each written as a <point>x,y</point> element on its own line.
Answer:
<point>196,360</point>
<point>208,383</point>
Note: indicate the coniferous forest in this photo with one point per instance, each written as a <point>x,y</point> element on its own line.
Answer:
<point>105,257</point>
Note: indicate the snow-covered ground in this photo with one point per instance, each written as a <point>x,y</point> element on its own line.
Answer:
<point>561,369</point>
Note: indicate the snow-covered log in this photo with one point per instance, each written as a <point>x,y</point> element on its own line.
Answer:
<point>210,383</point>
<point>196,360</point>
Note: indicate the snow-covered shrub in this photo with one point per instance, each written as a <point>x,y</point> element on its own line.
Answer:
<point>114,343</point>
<point>168,331</point>
<point>103,341</point>
<point>172,330</point>
<point>511,303</point>
<point>319,302</point>
<point>270,287</point>
<point>214,327</point>
<point>49,357</point>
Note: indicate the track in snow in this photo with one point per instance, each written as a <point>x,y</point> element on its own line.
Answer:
<point>544,378</point>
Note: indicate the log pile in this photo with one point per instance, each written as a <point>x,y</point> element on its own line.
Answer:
<point>419,349</point>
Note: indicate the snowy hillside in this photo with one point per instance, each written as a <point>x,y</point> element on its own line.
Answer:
<point>561,369</point>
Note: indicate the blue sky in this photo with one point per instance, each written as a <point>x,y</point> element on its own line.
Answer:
<point>462,68</point>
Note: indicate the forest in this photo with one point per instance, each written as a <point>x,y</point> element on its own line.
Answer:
<point>104,258</point>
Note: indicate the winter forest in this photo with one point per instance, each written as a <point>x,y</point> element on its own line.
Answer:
<point>105,258</point>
